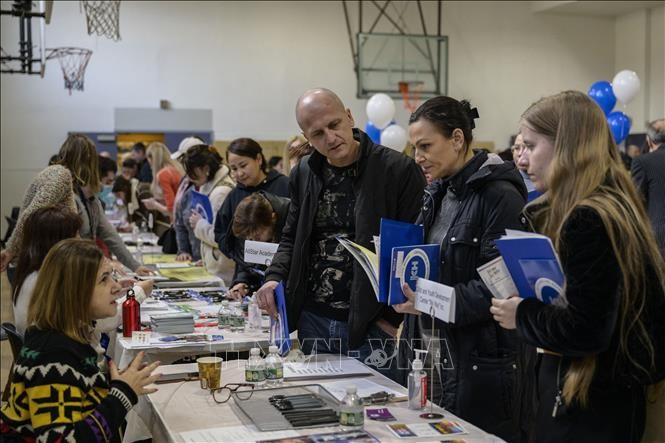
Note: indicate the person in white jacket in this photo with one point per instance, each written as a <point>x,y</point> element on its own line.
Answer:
<point>210,176</point>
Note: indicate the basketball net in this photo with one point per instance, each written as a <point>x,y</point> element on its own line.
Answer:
<point>73,62</point>
<point>102,17</point>
<point>411,94</point>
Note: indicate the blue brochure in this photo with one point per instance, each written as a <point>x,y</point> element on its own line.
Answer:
<point>201,204</point>
<point>533,265</point>
<point>408,264</point>
<point>279,327</point>
<point>394,234</point>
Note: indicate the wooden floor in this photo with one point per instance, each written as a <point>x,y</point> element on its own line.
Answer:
<point>6,314</point>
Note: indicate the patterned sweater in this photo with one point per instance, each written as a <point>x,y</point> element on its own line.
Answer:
<point>58,394</point>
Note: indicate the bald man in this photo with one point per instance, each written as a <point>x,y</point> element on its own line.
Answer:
<point>343,188</point>
<point>648,172</point>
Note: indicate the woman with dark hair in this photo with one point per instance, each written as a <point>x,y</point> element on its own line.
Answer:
<point>606,341</point>
<point>248,167</point>
<point>258,217</point>
<point>44,228</point>
<point>209,176</point>
<point>473,198</point>
<point>58,393</point>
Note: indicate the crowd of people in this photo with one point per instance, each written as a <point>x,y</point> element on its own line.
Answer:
<point>518,368</point>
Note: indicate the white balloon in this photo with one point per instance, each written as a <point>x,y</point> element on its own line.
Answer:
<point>626,85</point>
<point>380,110</point>
<point>394,137</point>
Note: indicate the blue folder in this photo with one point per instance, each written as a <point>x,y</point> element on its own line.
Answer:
<point>279,327</point>
<point>410,263</point>
<point>394,234</point>
<point>533,265</point>
<point>201,204</point>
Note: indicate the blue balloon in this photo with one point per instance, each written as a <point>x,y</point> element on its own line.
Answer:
<point>373,132</point>
<point>619,125</point>
<point>602,93</point>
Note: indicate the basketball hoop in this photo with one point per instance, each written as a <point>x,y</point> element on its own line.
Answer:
<point>411,91</point>
<point>73,62</point>
<point>102,17</point>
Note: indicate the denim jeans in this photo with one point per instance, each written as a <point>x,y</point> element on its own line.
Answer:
<point>324,335</point>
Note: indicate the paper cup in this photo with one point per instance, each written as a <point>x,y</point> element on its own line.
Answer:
<point>210,372</point>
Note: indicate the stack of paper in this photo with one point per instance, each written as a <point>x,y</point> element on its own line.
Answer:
<point>175,323</point>
<point>342,367</point>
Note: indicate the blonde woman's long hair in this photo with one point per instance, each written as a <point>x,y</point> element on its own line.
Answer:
<point>160,158</point>
<point>586,170</point>
<point>288,153</point>
<point>64,289</point>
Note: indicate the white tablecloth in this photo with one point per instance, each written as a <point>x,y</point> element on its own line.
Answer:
<point>184,406</point>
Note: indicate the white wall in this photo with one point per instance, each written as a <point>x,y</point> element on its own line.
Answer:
<point>640,46</point>
<point>249,61</point>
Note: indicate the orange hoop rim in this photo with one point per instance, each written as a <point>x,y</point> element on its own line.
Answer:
<point>411,92</point>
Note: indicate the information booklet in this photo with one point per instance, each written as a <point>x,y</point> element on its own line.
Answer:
<point>379,266</point>
<point>201,204</point>
<point>528,266</point>
<point>410,263</point>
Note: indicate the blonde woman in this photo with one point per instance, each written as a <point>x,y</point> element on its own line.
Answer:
<point>166,176</point>
<point>606,344</point>
<point>75,287</point>
<point>295,148</point>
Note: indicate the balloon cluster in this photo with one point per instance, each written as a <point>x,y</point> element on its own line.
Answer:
<point>624,88</point>
<point>381,127</point>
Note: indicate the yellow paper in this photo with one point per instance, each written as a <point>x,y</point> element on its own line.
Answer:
<point>194,273</point>
<point>153,259</point>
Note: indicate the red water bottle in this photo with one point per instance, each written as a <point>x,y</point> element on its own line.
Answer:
<point>131,315</point>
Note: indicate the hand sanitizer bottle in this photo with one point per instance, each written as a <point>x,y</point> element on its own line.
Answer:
<point>417,382</point>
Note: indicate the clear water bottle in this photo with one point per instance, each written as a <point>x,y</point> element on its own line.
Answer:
<point>253,315</point>
<point>255,368</point>
<point>223,315</point>
<point>351,411</point>
<point>138,241</point>
<point>274,367</point>
<point>236,318</point>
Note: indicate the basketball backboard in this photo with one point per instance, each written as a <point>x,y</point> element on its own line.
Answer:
<point>385,60</point>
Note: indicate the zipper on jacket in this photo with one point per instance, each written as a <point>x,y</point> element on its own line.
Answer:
<point>558,397</point>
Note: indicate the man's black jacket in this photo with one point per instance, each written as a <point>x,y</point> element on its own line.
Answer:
<point>389,185</point>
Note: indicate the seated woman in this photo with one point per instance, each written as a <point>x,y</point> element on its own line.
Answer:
<point>210,177</point>
<point>43,229</point>
<point>258,217</point>
<point>606,341</point>
<point>248,167</point>
<point>58,392</point>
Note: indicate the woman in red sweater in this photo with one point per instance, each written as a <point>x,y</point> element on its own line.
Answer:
<point>167,174</point>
